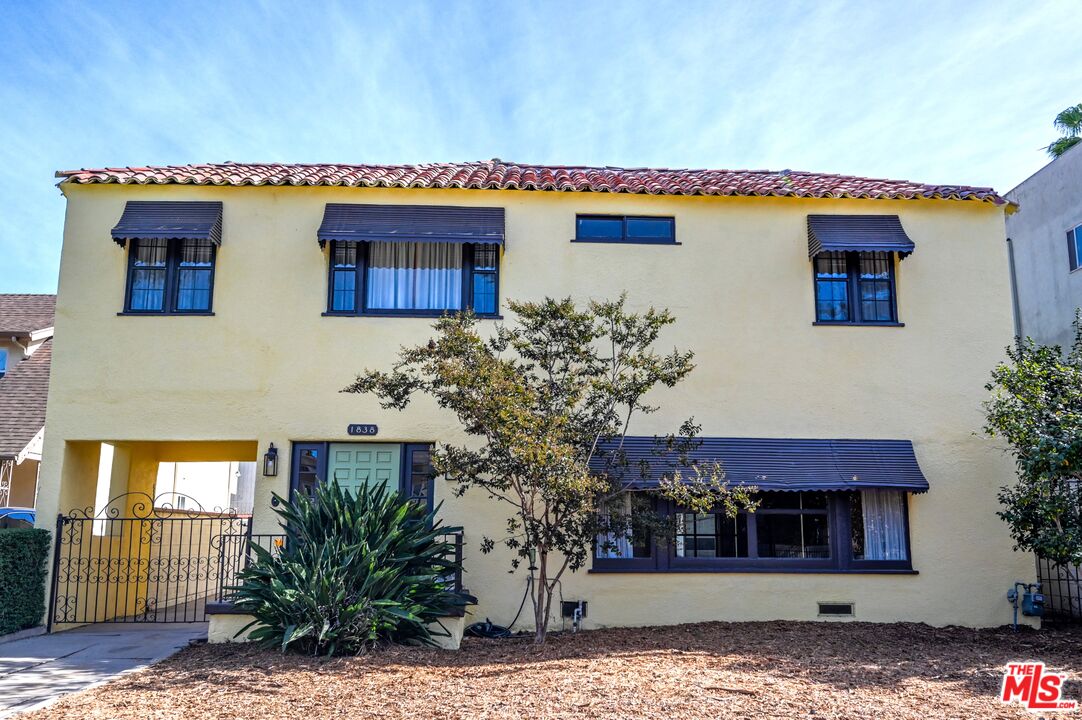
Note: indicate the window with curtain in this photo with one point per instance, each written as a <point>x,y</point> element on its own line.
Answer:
<point>413,278</point>
<point>842,531</point>
<point>170,276</point>
<point>625,541</point>
<point>877,519</point>
<point>855,288</point>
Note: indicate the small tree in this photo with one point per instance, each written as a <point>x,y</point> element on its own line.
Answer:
<point>1036,406</point>
<point>551,398</point>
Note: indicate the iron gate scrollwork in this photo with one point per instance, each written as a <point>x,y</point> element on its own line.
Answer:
<point>145,559</point>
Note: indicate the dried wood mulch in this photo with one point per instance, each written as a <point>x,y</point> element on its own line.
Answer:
<point>711,670</point>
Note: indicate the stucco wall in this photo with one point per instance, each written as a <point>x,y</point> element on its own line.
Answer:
<point>267,368</point>
<point>1050,204</point>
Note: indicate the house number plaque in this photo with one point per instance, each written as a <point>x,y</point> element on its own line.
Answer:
<point>362,429</point>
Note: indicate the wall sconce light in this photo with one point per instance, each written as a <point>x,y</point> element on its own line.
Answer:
<point>270,462</point>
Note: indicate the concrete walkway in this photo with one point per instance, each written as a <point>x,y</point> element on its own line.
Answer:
<point>37,671</point>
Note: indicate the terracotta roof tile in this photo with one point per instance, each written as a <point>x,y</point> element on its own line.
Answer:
<point>23,314</point>
<point>498,175</point>
<point>23,392</point>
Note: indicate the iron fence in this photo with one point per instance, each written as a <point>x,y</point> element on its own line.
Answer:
<point>1062,589</point>
<point>140,560</point>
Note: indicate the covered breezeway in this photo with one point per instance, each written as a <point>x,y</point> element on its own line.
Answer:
<point>133,547</point>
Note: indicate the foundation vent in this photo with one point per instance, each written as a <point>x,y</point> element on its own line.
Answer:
<point>836,609</point>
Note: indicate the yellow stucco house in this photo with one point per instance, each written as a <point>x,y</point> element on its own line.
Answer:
<point>843,330</point>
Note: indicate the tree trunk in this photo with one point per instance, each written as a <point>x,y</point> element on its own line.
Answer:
<point>544,598</point>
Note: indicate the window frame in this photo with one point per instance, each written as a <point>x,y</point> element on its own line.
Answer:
<point>852,290</point>
<point>321,448</point>
<point>663,557</point>
<point>1074,247</point>
<point>172,278</point>
<point>360,285</point>
<point>624,239</point>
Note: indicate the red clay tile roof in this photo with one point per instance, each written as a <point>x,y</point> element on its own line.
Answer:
<point>23,392</point>
<point>23,314</point>
<point>498,175</point>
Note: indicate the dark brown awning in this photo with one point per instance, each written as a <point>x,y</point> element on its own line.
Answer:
<point>773,464</point>
<point>143,220</point>
<point>411,223</point>
<point>857,232</point>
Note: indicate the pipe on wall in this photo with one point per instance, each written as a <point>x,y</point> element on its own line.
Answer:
<point>1014,291</point>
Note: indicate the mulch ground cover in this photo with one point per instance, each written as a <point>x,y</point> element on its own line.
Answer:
<point>710,670</point>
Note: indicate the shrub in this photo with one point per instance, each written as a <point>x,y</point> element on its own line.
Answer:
<point>353,573</point>
<point>22,578</point>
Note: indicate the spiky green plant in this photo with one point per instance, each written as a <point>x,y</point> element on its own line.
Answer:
<point>354,572</point>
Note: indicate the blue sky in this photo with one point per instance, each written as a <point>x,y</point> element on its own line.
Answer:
<point>945,92</point>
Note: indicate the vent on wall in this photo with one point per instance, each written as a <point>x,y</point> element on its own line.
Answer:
<point>836,609</point>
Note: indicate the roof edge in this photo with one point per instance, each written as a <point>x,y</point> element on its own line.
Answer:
<point>498,175</point>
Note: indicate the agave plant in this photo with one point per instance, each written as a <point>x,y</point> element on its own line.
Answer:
<point>354,572</point>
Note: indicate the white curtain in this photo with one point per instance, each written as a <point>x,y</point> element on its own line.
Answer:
<point>414,276</point>
<point>616,545</point>
<point>884,524</point>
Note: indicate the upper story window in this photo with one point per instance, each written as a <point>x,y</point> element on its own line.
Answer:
<point>625,229</point>
<point>172,247</point>
<point>855,287</point>
<point>412,260</point>
<point>170,276</point>
<point>413,278</point>
<point>1074,247</point>
<point>853,262</point>
<point>3,362</point>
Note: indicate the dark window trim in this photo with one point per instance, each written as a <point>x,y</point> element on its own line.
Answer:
<point>172,283</point>
<point>852,288</point>
<point>624,239</point>
<point>663,556</point>
<point>361,294</point>
<point>323,447</point>
<point>406,473</point>
<point>1073,259</point>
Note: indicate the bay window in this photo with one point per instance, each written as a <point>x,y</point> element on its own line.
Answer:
<point>843,531</point>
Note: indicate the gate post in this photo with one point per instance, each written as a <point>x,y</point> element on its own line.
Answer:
<point>54,585</point>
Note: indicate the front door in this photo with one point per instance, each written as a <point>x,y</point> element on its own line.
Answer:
<point>357,464</point>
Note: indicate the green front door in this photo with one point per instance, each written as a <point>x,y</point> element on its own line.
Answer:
<point>356,464</point>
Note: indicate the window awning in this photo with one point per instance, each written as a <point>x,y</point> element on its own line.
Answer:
<point>411,223</point>
<point>857,232</point>
<point>780,463</point>
<point>143,220</point>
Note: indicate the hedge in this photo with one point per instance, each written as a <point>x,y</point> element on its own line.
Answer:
<point>22,578</point>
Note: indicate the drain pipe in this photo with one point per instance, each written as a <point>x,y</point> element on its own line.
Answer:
<point>1014,291</point>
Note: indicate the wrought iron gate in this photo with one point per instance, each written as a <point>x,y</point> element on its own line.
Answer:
<point>145,560</point>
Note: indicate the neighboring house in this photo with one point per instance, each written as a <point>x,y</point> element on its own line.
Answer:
<point>1046,237</point>
<point>843,328</point>
<point>26,330</point>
